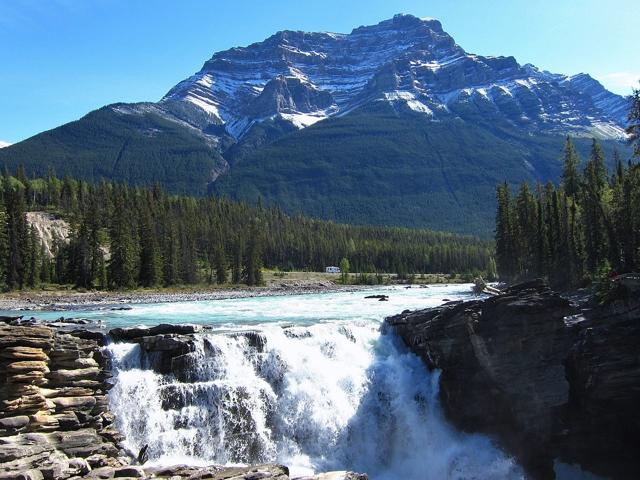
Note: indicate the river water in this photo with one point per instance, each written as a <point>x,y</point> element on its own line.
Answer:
<point>319,388</point>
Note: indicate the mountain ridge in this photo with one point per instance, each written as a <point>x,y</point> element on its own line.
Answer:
<point>226,128</point>
<point>403,60</point>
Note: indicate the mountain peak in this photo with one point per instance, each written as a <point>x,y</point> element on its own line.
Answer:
<point>402,22</point>
<point>407,62</point>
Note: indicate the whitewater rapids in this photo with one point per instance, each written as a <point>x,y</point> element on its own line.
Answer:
<point>331,395</point>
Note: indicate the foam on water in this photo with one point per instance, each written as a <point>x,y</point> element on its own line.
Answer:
<point>326,394</point>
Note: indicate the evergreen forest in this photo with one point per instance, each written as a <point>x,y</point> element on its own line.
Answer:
<point>585,228</point>
<point>125,237</point>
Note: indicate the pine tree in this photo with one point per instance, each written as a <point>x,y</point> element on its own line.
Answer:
<point>33,270</point>
<point>80,258</point>
<point>505,251</point>
<point>525,231</point>
<point>171,253</point>
<point>122,265</point>
<point>220,261</point>
<point>4,246</point>
<point>633,129</point>
<point>238,259</point>
<point>252,272</point>
<point>17,233</point>
<point>595,181</point>
<point>570,175</point>
<point>150,266</point>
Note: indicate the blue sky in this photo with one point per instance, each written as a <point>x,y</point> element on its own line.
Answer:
<point>59,59</point>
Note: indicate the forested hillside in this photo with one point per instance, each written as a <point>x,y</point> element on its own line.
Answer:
<point>122,143</point>
<point>124,237</point>
<point>586,228</point>
<point>380,168</point>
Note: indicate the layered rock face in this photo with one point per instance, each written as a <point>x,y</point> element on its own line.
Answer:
<point>54,420</point>
<point>549,384</point>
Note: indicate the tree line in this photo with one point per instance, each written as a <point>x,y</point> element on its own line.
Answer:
<point>127,237</point>
<point>587,227</point>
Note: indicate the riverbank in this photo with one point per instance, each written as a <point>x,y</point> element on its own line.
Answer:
<point>62,300</point>
<point>276,284</point>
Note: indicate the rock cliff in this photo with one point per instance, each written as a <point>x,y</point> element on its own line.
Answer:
<point>54,420</point>
<point>549,380</point>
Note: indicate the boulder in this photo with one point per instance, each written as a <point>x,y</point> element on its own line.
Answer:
<point>27,366</point>
<point>127,334</point>
<point>342,475</point>
<point>182,329</point>
<point>130,471</point>
<point>255,340</point>
<point>14,423</point>
<point>25,336</point>
<point>64,403</point>
<point>97,460</point>
<point>24,353</point>
<point>65,377</point>
<point>133,333</point>
<point>79,466</point>
<point>164,348</point>
<point>102,472</point>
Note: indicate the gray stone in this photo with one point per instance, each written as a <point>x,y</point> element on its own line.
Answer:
<point>79,465</point>
<point>131,471</point>
<point>14,422</point>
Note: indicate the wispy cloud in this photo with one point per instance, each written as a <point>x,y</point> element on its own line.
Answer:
<point>620,82</point>
<point>4,144</point>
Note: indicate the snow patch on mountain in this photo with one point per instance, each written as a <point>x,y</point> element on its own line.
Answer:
<point>302,120</point>
<point>304,78</point>
<point>409,99</point>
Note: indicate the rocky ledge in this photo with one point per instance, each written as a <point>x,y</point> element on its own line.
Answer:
<point>551,381</point>
<point>55,421</point>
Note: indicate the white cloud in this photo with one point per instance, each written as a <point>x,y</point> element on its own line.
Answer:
<point>620,82</point>
<point>4,144</point>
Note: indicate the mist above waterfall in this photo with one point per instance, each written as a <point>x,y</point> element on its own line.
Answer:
<point>332,395</point>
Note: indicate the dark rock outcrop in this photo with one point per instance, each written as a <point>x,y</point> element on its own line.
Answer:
<point>548,385</point>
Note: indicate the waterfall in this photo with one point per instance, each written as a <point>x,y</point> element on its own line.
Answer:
<point>328,396</point>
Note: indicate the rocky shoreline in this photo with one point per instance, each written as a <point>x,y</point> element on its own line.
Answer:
<point>63,301</point>
<point>550,379</point>
<point>55,422</point>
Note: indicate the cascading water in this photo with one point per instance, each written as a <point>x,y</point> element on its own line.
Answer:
<point>327,396</point>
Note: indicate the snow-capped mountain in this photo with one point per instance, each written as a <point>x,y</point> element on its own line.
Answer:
<point>391,124</point>
<point>407,62</point>
<point>4,144</point>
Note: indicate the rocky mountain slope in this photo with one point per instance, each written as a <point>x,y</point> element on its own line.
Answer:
<point>409,63</point>
<point>277,119</point>
<point>550,380</point>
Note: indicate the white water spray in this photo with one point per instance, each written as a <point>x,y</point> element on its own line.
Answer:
<point>329,396</point>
